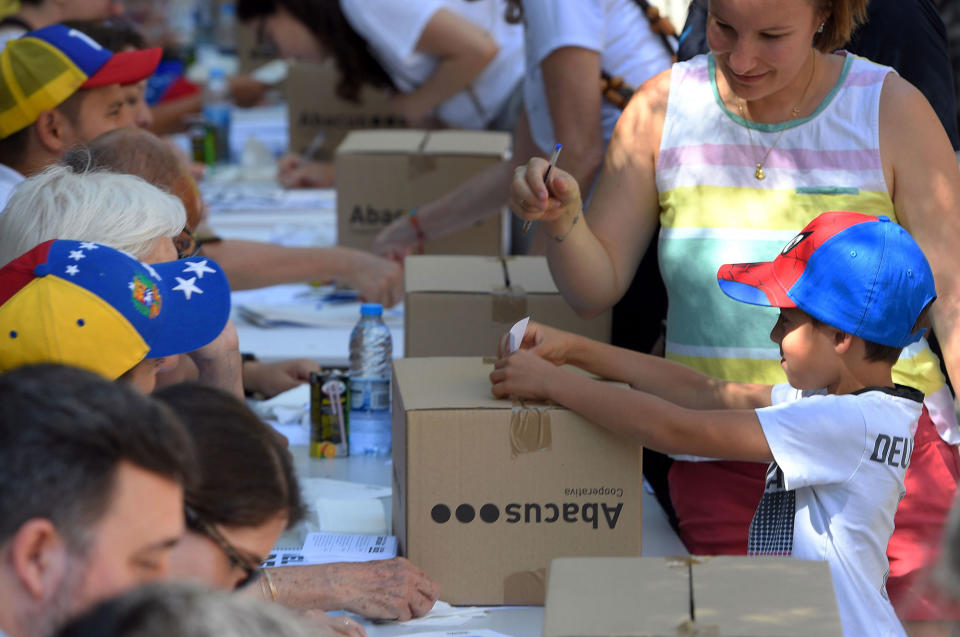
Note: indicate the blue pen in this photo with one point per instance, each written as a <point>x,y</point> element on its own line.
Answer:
<point>553,162</point>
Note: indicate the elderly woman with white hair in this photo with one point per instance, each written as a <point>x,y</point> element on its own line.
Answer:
<point>121,211</point>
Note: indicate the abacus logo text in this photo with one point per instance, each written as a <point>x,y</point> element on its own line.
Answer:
<point>592,513</point>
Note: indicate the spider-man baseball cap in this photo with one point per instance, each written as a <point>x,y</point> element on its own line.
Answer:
<point>91,306</point>
<point>862,274</point>
<point>43,68</point>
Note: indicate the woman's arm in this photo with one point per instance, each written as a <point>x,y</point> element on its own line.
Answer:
<point>596,260</point>
<point>462,49</point>
<point>733,434</point>
<point>570,78</point>
<point>481,196</point>
<point>924,179</point>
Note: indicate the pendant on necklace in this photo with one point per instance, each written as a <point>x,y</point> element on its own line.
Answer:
<point>758,173</point>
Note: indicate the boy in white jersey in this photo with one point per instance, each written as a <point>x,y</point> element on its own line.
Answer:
<point>852,289</point>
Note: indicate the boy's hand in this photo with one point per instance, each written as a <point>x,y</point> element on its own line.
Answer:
<point>522,375</point>
<point>548,343</point>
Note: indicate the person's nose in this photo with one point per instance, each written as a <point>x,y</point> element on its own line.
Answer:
<point>742,56</point>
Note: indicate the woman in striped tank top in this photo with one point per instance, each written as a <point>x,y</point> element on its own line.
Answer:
<point>734,152</point>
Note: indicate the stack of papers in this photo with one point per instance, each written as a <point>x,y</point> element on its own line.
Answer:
<point>322,548</point>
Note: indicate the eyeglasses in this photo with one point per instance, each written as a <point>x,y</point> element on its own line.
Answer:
<point>186,244</point>
<point>252,571</point>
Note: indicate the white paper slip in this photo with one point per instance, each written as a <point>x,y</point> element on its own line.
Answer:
<point>330,489</point>
<point>517,332</point>
<point>336,547</point>
<point>365,517</point>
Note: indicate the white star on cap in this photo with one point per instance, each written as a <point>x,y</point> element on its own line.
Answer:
<point>86,245</point>
<point>72,270</point>
<point>153,272</point>
<point>199,268</point>
<point>76,255</point>
<point>188,286</point>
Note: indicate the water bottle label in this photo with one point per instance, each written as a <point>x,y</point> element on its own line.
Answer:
<point>369,394</point>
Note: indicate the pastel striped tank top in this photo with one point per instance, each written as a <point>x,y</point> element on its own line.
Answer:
<point>714,211</point>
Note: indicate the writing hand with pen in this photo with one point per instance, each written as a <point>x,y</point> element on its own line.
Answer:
<point>541,192</point>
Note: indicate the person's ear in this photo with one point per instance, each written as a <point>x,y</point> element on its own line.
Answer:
<point>38,555</point>
<point>54,132</point>
<point>842,341</point>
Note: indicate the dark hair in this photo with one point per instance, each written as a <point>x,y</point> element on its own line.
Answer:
<point>246,475</point>
<point>63,433</point>
<point>325,20</point>
<point>845,16</point>
<point>874,352</point>
<point>185,610</point>
<point>114,34</point>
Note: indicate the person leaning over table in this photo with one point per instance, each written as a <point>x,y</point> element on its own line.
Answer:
<point>453,61</point>
<point>730,151</point>
<point>80,457</point>
<point>246,495</point>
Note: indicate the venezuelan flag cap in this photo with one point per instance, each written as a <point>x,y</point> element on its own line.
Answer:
<point>90,306</point>
<point>41,69</point>
<point>862,274</point>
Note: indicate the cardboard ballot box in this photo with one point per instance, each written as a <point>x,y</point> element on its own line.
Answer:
<point>314,108</point>
<point>486,493</point>
<point>722,596</point>
<point>462,305</point>
<point>383,174</point>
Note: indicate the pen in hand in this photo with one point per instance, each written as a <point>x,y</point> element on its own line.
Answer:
<point>553,162</point>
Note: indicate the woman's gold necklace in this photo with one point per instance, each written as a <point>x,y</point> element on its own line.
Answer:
<point>758,172</point>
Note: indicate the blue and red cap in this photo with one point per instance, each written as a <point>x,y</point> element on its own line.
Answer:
<point>862,274</point>
<point>43,68</point>
<point>91,306</point>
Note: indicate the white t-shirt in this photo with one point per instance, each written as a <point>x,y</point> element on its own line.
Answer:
<point>616,29</point>
<point>833,489</point>
<point>393,27</point>
<point>9,179</point>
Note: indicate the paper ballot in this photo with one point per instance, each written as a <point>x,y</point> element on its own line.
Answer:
<point>337,547</point>
<point>516,334</point>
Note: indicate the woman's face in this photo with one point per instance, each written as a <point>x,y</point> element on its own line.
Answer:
<point>760,46</point>
<point>291,37</point>
<point>199,557</point>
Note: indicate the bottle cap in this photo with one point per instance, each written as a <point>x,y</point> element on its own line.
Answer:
<point>371,309</point>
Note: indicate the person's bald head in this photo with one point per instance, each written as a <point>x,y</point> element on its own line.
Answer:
<point>134,151</point>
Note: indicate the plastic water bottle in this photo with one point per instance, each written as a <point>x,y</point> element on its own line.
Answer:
<point>371,353</point>
<point>216,113</point>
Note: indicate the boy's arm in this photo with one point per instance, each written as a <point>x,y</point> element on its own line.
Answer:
<point>669,380</point>
<point>733,434</point>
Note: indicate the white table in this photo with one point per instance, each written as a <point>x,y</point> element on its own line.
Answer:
<point>657,539</point>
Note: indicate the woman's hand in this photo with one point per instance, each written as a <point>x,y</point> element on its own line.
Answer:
<point>293,171</point>
<point>533,200</point>
<point>376,279</point>
<point>522,375</point>
<point>548,343</point>
<point>396,240</point>
<point>270,379</point>
<point>382,589</point>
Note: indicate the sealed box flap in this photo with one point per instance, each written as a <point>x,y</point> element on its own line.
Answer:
<point>482,143</point>
<point>471,274</point>
<point>446,383</point>
<point>771,596</point>
<point>624,596</point>
<point>381,142</point>
<point>532,274</point>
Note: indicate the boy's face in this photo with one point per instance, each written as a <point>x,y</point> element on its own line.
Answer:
<point>807,352</point>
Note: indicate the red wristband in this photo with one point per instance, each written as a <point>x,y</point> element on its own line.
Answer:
<point>415,223</point>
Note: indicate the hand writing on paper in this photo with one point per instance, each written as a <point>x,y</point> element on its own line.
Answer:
<point>383,589</point>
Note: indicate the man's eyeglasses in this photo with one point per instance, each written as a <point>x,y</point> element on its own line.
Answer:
<point>252,571</point>
<point>186,244</point>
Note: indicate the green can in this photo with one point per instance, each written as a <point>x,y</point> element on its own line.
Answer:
<point>329,413</point>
